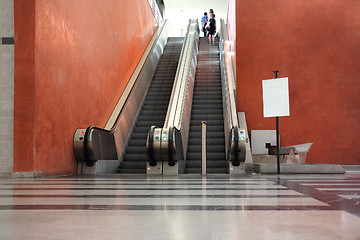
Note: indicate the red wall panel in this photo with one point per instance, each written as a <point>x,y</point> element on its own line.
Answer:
<point>24,85</point>
<point>85,52</point>
<point>315,44</point>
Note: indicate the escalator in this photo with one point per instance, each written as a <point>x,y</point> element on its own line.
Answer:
<point>153,110</point>
<point>204,93</point>
<point>155,127</point>
<point>207,106</point>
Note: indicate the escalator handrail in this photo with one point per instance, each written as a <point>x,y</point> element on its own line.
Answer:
<point>230,80</point>
<point>231,123</point>
<point>177,81</point>
<point>178,94</point>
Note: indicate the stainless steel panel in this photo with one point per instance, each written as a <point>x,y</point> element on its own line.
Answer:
<point>157,170</point>
<point>170,170</point>
<point>203,149</point>
<point>241,169</point>
<point>157,145</point>
<point>179,110</point>
<point>164,144</point>
<point>78,147</point>
<point>242,123</point>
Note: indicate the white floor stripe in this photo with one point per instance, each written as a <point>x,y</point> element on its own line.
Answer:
<point>160,178</point>
<point>139,182</point>
<point>152,192</point>
<point>203,186</point>
<point>330,184</point>
<point>322,180</point>
<point>164,201</point>
<point>350,196</point>
<point>338,189</point>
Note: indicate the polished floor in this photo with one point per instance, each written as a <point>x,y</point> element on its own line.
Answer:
<point>182,207</point>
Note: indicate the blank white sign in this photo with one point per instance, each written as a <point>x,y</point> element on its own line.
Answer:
<point>276,97</point>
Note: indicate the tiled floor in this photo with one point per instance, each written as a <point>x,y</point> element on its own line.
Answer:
<point>182,207</point>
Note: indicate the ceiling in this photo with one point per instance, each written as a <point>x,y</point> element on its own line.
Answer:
<point>179,12</point>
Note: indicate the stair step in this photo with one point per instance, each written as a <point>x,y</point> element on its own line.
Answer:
<point>133,165</point>
<point>131,171</point>
<point>208,170</point>
<point>129,157</point>
<point>149,123</point>
<point>209,148</point>
<point>208,129</point>
<point>142,135</point>
<point>200,102</point>
<point>206,117</point>
<point>138,142</point>
<point>209,134</point>
<point>209,142</point>
<point>209,156</point>
<point>136,149</point>
<point>154,117</point>
<point>209,164</point>
<point>207,111</point>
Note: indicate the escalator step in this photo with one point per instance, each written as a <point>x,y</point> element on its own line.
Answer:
<point>209,156</point>
<point>131,171</point>
<point>133,165</point>
<point>155,107</point>
<point>141,129</point>
<point>200,102</point>
<point>209,141</point>
<point>208,129</point>
<point>134,157</point>
<point>149,123</point>
<point>142,135</point>
<point>189,170</point>
<point>137,142</point>
<point>209,148</point>
<point>207,111</point>
<point>209,134</point>
<point>209,164</point>
<point>216,170</point>
<point>206,116</point>
<point>135,149</point>
<point>151,118</point>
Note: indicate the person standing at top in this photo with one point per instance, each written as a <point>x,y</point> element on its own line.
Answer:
<point>204,21</point>
<point>212,29</point>
<point>211,12</point>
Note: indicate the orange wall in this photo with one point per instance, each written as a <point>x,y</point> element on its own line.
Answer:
<point>24,85</point>
<point>78,58</point>
<point>231,28</point>
<point>316,44</point>
<point>231,23</point>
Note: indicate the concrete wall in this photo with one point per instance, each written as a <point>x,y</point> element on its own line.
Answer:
<point>72,61</point>
<point>6,85</point>
<point>316,44</point>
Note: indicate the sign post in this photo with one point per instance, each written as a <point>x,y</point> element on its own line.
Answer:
<point>277,136</point>
<point>276,104</point>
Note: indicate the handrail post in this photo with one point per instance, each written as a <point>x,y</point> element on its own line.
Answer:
<point>203,148</point>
